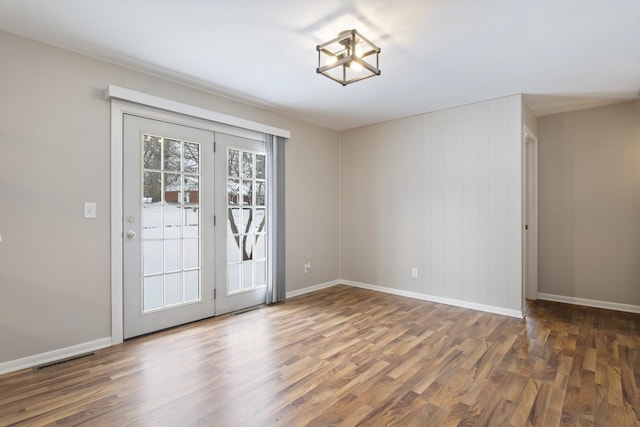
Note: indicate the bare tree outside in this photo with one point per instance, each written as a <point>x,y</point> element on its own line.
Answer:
<point>175,161</point>
<point>245,194</point>
<point>152,159</point>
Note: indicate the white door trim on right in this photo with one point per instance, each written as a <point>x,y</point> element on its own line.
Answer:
<point>530,213</point>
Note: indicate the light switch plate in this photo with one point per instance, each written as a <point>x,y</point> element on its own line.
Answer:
<point>89,209</point>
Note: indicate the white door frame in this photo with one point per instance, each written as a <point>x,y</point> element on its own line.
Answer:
<point>164,110</point>
<point>530,214</point>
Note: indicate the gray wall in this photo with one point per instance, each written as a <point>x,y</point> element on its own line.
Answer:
<point>54,155</point>
<point>440,192</point>
<point>589,178</point>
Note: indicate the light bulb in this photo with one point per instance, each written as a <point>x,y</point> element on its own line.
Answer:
<point>355,66</point>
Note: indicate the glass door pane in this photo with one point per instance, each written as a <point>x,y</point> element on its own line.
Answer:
<point>171,222</point>
<point>246,220</point>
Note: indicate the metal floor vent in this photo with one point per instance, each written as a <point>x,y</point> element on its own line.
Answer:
<point>60,362</point>
<point>245,310</point>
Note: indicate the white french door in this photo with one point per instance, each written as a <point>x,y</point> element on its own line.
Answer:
<point>168,242</point>
<point>242,210</point>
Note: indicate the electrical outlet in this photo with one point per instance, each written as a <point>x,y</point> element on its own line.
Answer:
<point>414,273</point>
<point>307,267</point>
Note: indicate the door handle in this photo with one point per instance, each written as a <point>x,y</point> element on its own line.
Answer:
<point>131,234</point>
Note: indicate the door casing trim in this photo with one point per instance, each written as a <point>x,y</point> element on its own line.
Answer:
<point>116,92</point>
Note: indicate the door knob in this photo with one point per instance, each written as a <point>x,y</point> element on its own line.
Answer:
<point>131,234</point>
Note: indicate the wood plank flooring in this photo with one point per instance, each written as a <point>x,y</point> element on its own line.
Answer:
<point>347,356</point>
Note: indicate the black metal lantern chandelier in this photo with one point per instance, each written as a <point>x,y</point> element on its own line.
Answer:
<point>348,58</point>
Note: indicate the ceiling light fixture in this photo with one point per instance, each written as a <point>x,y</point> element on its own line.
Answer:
<point>344,58</point>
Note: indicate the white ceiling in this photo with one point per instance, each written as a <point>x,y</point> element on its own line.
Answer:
<point>435,54</point>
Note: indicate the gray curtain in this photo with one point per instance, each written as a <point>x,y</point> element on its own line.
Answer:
<point>276,290</point>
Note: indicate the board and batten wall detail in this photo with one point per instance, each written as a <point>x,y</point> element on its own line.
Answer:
<point>440,192</point>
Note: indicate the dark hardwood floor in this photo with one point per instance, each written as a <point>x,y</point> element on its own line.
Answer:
<point>347,356</point>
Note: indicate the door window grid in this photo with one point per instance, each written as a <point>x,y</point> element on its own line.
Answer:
<point>246,220</point>
<point>171,219</point>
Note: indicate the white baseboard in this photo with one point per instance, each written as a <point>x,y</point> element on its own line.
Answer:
<point>590,303</point>
<point>313,288</point>
<point>440,300</point>
<point>50,356</point>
